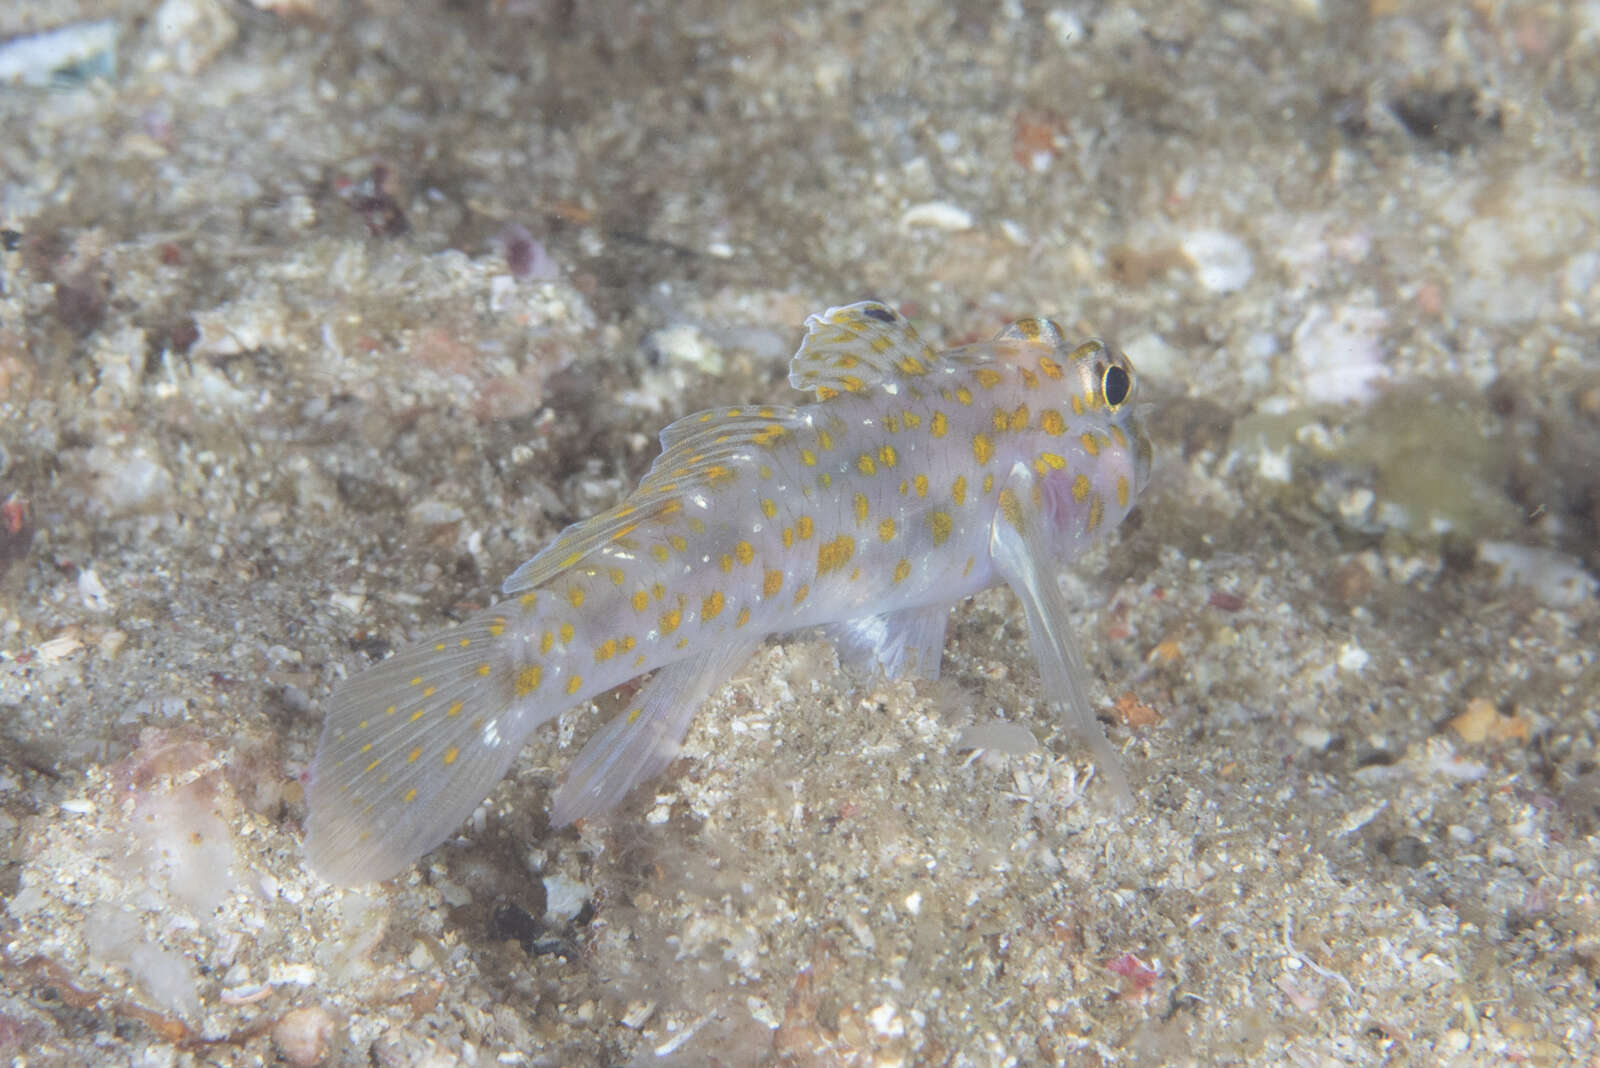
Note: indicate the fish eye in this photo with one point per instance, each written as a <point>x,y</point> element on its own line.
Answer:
<point>1115,384</point>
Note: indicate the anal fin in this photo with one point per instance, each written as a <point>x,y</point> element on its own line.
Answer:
<point>639,743</point>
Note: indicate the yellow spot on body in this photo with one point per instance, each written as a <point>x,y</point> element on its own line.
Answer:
<point>788,537</point>
<point>677,542</point>
<point>768,507</point>
<point>941,525</point>
<point>912,366</point>
<point>912,420</point>
<point>866,466</point>
<point>1000,420</point>
<point>641,600</point>
<point>1119,437</point>
<point>987,377</point>
<point>988,482</point>
<point>920,483</point>
<point>574,684</point>
<point>726,563</point>
<point>1054,460</point>
<point>411,795</point>
<point>808,457</point>
<point>863,506</point>
<point>484,670</point>
<point>800,594</point>
<point>669,621</point>
<point>771,582</point>
<point>566,634</point>
<point>833,555</point>
<point>605,650</point>
<point>1051,423</point>
<point>528,680</point>
<point>744,616</point>
<point>1029,379</point>
<point>886,530</point>
<point>529,600</point>
<point>1077,404</point>
<point>659,552</point>
<point>627,642</point>
<point>1051,368</point>
<point>744,552</point>
<point>964,395</point>
<point>902,570</point>
<point>764,471</point>
<point>1080,488</point>
<point>1019,418</point>
<point>804,527</point>
<point>454,710</point>
<point>825,440</point>
<point>887,456</point>
<point>958,490</point>
<point>939,426</point>
<point>1091,443</point>
<point>1124,491</point>
<point>658,591</point>
<point>982,448</point>
<point>711,605</point>
<point>1097,512</point>
<point>1011,508</point>
<point>450,755</point>
<point>575,595</point>
<point>824,480</point>
<point>891,423</point>
<point>414,755</point>
<point>904,486</point>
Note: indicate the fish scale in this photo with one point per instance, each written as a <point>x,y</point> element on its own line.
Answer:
<point>916,479</point>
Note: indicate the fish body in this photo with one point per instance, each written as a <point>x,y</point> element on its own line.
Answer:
<point>916,479</point>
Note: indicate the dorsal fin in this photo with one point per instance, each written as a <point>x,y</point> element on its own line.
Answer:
<point>856,348</point>
<point>1037,331</point>
<point>703,451</point>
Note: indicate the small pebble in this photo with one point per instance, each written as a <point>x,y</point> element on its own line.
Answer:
<point>938,215</point>
<point>1221,262</point>
<point>304,1035</point>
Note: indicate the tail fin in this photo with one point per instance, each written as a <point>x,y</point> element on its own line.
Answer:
<point>409,748</point>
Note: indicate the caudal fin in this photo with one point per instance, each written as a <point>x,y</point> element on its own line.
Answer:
<point>409,748</point>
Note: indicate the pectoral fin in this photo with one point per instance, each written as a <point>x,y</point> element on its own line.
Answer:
<point>1020,548</point>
